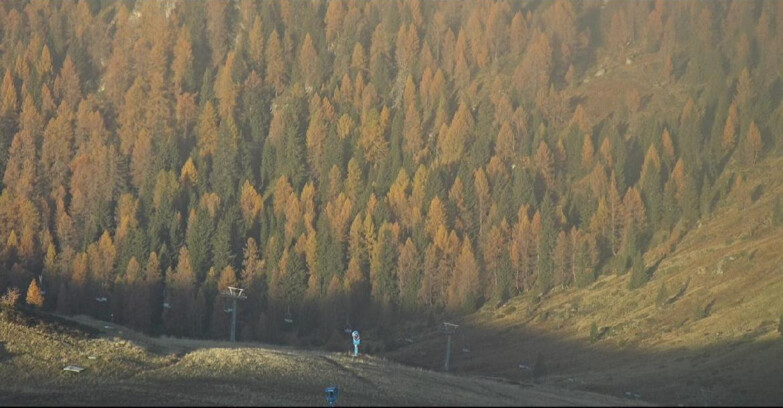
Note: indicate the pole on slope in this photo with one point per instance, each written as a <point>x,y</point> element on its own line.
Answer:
<point>448,329</point>
<point>234,294</point>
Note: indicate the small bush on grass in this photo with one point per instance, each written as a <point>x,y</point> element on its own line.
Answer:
<point>11,298</point>
<point>700,312</point>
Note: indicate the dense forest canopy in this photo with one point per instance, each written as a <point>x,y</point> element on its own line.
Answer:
<point>364,162</point>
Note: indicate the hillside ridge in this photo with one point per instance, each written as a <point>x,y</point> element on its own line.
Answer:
<point>713,337</point>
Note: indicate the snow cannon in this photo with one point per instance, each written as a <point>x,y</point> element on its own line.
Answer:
<point>356,342</point>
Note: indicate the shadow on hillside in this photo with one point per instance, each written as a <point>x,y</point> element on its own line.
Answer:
<point>742,370</point>
<point>5,355</point>
<point>48,322</point>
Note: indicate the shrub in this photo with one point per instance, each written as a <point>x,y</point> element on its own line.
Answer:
<point>780,325</point>
<point>542,317</point>
<point>593,333</point>
<point>700,312</point>
<point>11,297</point>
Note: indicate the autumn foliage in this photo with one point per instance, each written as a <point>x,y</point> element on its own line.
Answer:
<point>34,296</point>
<point>366,159</point>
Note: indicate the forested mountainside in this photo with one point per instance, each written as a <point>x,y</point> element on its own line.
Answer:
<point>365,162</point>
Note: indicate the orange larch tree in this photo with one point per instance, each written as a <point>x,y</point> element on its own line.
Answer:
<point>34,296</point>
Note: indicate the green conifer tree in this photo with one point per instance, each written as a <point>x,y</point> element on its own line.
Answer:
<point>199,242</point>
<point>638,273</point>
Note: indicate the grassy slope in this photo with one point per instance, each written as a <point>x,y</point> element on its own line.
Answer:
<point>716,343</point>
<point>132,369</point>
